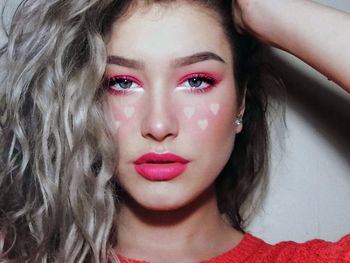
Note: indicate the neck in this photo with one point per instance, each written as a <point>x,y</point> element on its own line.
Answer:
<point>190,227</point>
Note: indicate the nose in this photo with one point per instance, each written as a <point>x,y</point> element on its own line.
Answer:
<point>160,122</point>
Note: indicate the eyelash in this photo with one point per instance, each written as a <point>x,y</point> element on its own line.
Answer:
<point>202,77</point>
<point>208,79</point>
<point>109,83</point>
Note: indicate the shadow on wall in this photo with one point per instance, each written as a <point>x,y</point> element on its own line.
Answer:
<point>325,109</point>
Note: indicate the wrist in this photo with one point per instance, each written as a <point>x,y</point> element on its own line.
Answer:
<point>263,18</point>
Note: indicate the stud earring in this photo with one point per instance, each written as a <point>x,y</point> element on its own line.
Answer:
<point>239,120</point>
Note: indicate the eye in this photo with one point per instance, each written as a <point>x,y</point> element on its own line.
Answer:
<point>122,84</point>
<point>198,83</point>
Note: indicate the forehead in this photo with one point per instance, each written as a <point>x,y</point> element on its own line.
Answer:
<point>166,31</point>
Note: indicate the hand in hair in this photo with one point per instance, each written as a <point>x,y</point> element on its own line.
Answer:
<point>317,34</point>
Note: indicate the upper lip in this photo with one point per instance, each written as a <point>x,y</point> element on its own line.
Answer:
<point>160,158</point>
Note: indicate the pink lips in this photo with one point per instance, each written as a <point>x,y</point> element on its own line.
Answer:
<point>160,167</point>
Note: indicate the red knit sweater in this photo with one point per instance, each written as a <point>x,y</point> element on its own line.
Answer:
<point>252,249</point>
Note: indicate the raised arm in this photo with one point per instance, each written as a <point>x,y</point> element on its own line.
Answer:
<point>317,34</point>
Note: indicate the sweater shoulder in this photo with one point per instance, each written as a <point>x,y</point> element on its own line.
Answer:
<point>311,251</point>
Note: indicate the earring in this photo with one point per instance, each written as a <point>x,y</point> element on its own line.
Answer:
<point>239,120</point>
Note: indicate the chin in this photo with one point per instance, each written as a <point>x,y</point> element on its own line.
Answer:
<point>162,201</point>
<point>180,200</point>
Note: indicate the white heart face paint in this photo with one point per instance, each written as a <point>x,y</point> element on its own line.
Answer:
<point>189,112</point>
<point>215,107</point>
<point>117,124</point>
<point>203,124</point>
<point>129,112</point>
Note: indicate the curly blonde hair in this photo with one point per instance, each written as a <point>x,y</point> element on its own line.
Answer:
<point>56,164</point>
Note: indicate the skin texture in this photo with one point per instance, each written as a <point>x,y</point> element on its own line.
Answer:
<point>317,34</point>
<point>161,113</point>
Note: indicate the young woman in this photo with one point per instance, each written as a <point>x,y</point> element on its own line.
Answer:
<point>136,129</point>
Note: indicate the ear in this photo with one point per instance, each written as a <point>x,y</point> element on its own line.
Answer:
<point>239,117</point>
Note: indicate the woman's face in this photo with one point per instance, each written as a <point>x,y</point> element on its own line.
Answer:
<point>171,103</point>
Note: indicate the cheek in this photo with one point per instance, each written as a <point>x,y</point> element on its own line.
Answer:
<point>209,132</point>
<point>120,113</point>
<point>209,118</point>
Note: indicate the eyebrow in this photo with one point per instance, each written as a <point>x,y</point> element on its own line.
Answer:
<point>125,62</point>
<point>178,62</point>
<point>195,58</point>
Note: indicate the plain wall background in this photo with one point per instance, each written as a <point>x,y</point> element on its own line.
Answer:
<point>310,171</point>
<point>309,189</point>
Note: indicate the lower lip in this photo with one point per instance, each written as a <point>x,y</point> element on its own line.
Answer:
<point>160,172</point>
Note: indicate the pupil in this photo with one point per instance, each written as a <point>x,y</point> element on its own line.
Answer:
<point>124,83</point>
<point>195,82</point>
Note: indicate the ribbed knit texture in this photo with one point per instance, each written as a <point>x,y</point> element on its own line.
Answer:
<point>252,249</point>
